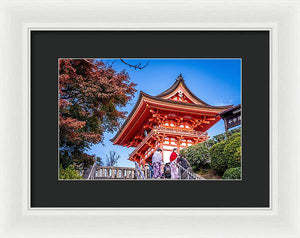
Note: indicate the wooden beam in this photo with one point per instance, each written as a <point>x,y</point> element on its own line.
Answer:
<point>211,119</point>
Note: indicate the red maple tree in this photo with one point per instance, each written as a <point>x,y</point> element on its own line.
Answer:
<point>91,95</point>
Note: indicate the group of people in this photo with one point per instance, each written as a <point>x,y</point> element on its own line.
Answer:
<point>158,165</point>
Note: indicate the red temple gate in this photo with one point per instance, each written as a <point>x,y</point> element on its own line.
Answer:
<point>175,118</point>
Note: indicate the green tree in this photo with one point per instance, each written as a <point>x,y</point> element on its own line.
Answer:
<point>223,136</point>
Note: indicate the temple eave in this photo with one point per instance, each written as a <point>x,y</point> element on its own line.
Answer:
<point>145,105</point>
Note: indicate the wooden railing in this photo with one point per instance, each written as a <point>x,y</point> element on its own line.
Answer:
<point>187,173</point>
<point>181,131</point>
<point>111,172</point>
<point>92,172</point>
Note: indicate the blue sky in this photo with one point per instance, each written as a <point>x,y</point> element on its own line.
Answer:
<point>215,81</point>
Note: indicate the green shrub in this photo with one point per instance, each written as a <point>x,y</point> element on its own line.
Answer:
<point>211,142</point>
<point>219,138</point>
<point>232,173</point>
<point>232,150</point>
<point>218,160</point>
<point>226,153</point>
<point>183,152</point>
<point>69,173</point>
<point>238,156</point>
<point>217,153</point>
<point>234,131</point>
<point>198,155</point>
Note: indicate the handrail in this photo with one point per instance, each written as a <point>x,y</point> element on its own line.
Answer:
<point>89,177</point>
<point>190,174</point>
<point>140,174</point>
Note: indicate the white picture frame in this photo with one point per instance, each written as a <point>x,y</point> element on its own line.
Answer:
<point>281,18</point>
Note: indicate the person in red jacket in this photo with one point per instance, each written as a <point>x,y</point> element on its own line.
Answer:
<point>174,167</point>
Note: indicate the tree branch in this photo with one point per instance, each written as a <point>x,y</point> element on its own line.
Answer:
<point>136,66</point>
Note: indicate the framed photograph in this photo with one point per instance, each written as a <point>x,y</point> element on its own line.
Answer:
<point>162,119</point>
<point>110,127</point>
<point>124,123</point>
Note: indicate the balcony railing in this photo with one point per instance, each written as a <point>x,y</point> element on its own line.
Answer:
<point>180,131</point>
<point>170,130</point>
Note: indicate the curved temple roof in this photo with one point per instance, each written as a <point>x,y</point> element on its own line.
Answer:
<point>180,80</point>
<point>164,97</point>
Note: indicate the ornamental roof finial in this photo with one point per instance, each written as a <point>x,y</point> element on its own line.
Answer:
<point>179,77</point>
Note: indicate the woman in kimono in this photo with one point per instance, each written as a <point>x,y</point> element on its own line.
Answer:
<point>156,163</point>
<point>174,167</point>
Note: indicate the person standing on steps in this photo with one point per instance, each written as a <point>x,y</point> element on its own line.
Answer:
<point>150,169</point>
<point>174,167</point>
<point>156,163</point>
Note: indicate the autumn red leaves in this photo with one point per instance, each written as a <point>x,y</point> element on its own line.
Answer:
<point>91,97</point>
